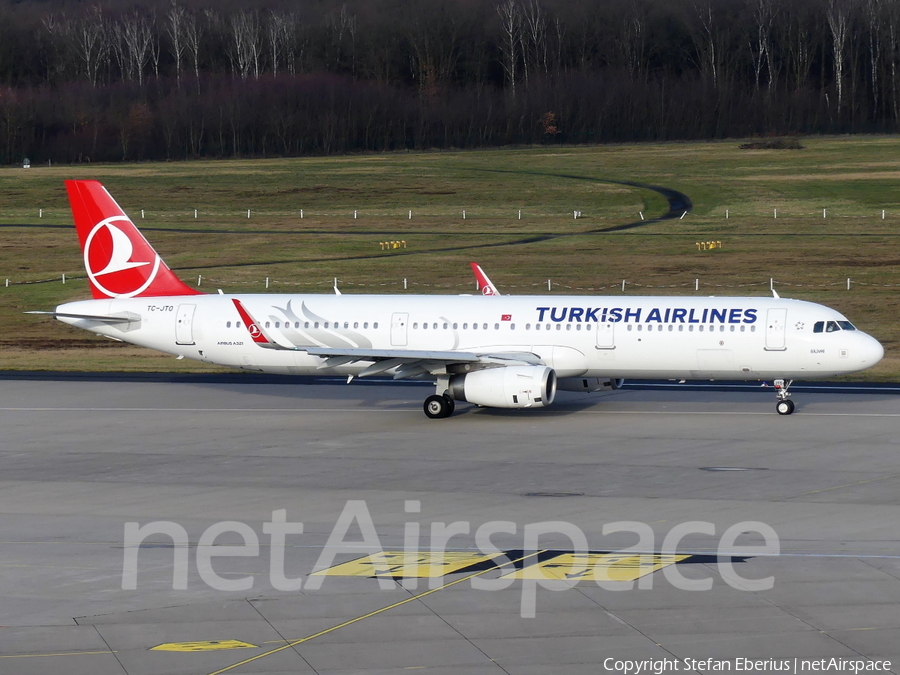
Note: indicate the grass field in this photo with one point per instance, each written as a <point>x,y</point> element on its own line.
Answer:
<point>809,257</point>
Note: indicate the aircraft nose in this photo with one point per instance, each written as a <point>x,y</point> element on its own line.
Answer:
<point>871,351</point>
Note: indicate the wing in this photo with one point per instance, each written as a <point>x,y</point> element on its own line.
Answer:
<point>407,362</point>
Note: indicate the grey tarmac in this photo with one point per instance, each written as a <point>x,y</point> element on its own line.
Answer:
<point>81,458</point>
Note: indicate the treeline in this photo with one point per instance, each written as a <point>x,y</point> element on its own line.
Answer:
<point>167,80</point>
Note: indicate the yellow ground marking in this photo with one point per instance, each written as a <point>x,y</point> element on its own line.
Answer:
<point>838,487</point>
<point>399,564</point>
<point>210,646</point>
<point>32,656</point>
<point>596,566</point>
<point>293,643</point>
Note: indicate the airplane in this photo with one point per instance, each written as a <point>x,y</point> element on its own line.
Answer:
<point>512,352</point>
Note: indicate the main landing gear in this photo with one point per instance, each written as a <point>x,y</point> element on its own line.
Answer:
<point>439,405</point>
<point>784,405</point>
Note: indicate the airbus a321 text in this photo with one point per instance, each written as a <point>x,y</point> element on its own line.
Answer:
<point>501,351</point>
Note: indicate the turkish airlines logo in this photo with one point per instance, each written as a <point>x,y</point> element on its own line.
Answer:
<point>487,290</point>
<point>255,332</point>
<point>108,259</point>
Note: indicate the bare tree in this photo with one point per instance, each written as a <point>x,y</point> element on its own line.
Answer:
<point>838,15</point>
<point>132,44</point>
<point>90,41</point>
<point>175,21</point>
<point>874,18</point>
<point>193,34</point>
<point>534,49</point>
<point>632,42</point>
<point>245,46</point>
<point>280,33</point>
<point>511,26</point>
<point>761,43</point>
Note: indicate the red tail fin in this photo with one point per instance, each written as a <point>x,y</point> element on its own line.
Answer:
<point>484,284</point>
<point>119,262</point>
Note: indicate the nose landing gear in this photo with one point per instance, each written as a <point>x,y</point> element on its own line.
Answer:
<point>784,405</point>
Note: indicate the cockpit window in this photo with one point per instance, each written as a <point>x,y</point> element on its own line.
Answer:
<point>846,325</point>
<point>831,327</point>
<point>819,327</point>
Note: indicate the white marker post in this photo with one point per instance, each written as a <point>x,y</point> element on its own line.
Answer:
<point>623,285</point>
<point>195,214</point>
<point>410,214</point>
<point>199,279</point>
<point>301,214</point>
<point>642,214</point>
<point>696,284</point>
<point>64,278</point>
<point>775,211</point>
<point>267,282</point>
<point>404,283</point>
<point>40,213</point>
<point>882,214</point>
<point>823,213</point>
<point>142,214</point>
<point>464,214</point>
<point>248,213</point>
<point>548,285</point>
<point>726,214</point>
<point>520,214</point>
<point>848,283</point>
<point>683,215</point>
<point>354,215</point>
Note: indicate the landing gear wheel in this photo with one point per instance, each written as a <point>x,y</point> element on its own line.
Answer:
<point>785,407</point>
<point>451,403</point>
<point>437,406</point>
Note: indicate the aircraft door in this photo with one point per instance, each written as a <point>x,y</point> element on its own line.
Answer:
<point>606,338</point>
<point>776,322</point>
<point>184,334</point>
<point>399,322</point>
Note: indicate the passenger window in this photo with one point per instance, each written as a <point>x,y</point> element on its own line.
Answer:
<point>559,326</point>
<point>496,326</point>
<point>587,327</point>
<point>680,328</point>
<point>512,326</point>
<point>455,326</point>
<point>484,326</point>
<point>743,328</point>
<point>640,327</point>
<point>415,325</point>
<point>346,325</point>
<point>537,326</point>
<point>527,326</point>
<point>818,327</point>
<point>424,326</point>
<point>366,324</point>
<point>277,324</point>
<point>227,324</point>
<point>629,327</point>
<point>578,326</point>
<point>691,329</point>
<point>316,324</point>
<point>465,326</point>
<point>731,329</point>
<point>375,325</point>
<point>671,328</point>
<point>267,324</point>
<point>326,324</point>
<point>238,324</point>
<point>832,327</point>
<point>445,326</point>
<point>296,324</point>
<point>356,324</point>
<point>306,324</point>
<point>700,328</point>
<point>474,326</point>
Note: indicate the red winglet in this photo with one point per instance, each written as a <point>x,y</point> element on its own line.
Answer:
<point>119,262</point>
<point>253,328</point>
<point>484,284</point>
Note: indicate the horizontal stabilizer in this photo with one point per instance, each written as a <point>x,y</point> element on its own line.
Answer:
<point>127,317</point>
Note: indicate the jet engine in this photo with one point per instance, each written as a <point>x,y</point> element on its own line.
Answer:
<point>506,387</point>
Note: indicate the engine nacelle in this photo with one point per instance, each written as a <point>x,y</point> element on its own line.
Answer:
<point>588,384</point>
<point>506,387</point>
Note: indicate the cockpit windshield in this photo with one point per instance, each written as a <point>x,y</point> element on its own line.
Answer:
<point>832,326</point>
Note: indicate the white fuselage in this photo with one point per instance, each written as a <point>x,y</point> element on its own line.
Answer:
<point>610,336</point>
